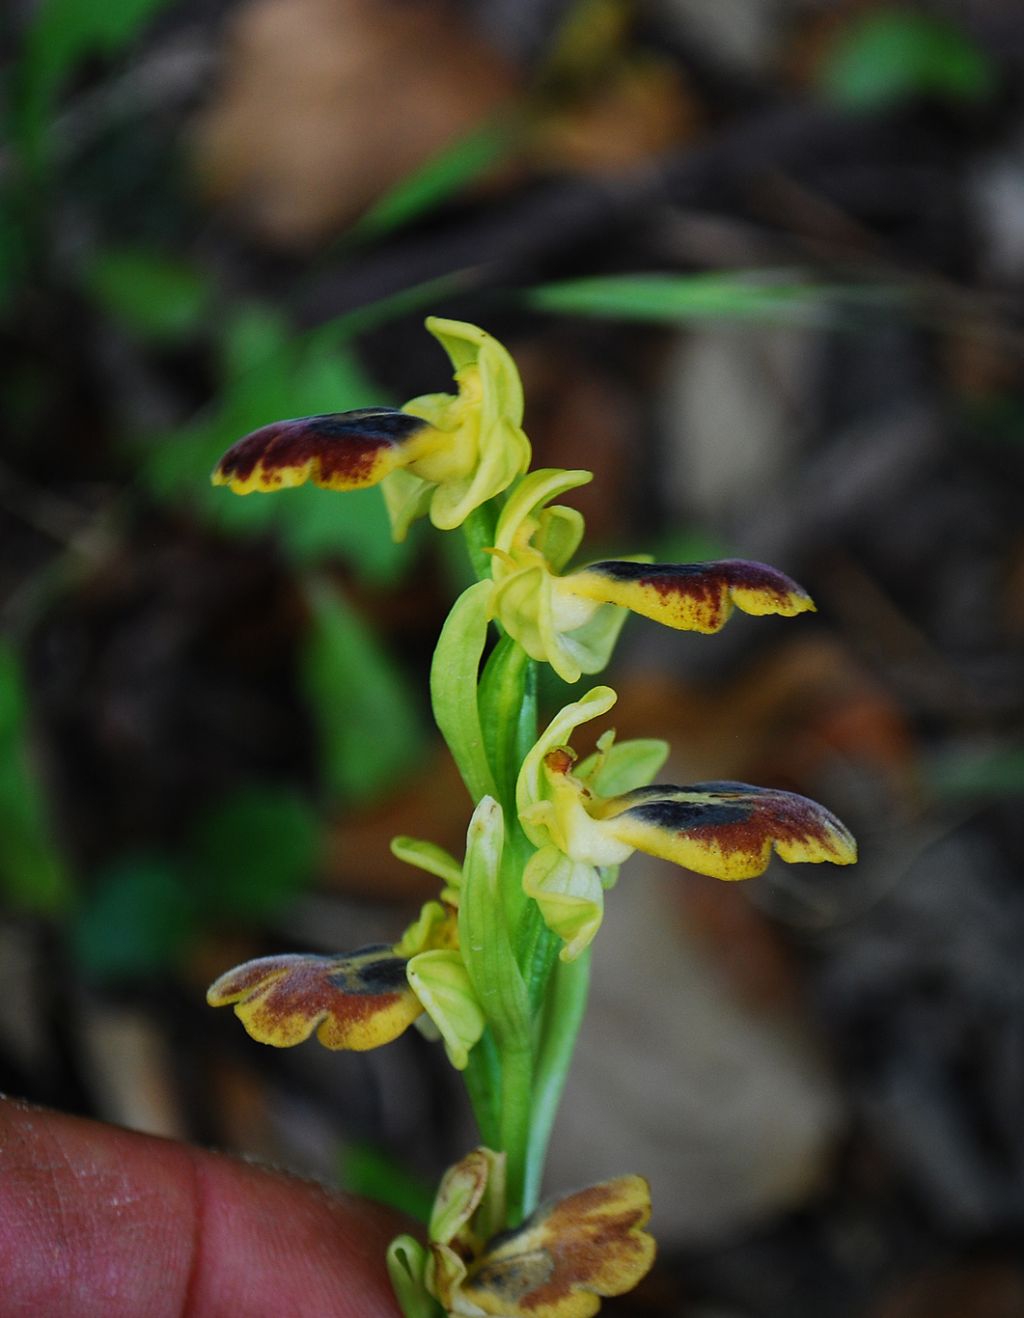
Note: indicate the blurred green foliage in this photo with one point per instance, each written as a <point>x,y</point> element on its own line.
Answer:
<point>62,33</point>
<point>157,298</point>
<point>369,729</point>
<point>252,853</point>
<point>757,296</point>
<point>246,857</point>
<point>33,875</point>
<point>971,776</point>
<point>369,1171</point>
<point>137,920</point>
<point>890,54</point>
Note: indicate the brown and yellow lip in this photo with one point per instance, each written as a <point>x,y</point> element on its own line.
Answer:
<point>358,1001</point>
<point>728,830</point>
<point>691,596</point>
<point>336,450</point>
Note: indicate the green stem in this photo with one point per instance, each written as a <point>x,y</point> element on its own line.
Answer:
<point>516,1125</point>
<point>503,696</point>
<point>537,950</point>
<point>526,724</point>
<point>504,711</point>
<point>483,1084</point>
<point>508,718</point>
<point>560,1025</point>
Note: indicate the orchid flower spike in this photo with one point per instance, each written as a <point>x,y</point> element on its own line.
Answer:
<point>441,455</point>
<point>571,620</point>
<point>364,999</point>
<point>728,830</point>
<point>559,1263</point>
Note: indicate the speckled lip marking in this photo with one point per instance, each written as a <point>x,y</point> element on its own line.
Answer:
<point>691,596</point>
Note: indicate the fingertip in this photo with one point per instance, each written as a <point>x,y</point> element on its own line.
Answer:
<point>100,1221</point>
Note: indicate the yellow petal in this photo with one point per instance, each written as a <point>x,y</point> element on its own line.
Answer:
<point>517,602</point>
<point>359,1001</point>
<point>436,927</point>
<point>469,345</point>
<point>475,1182</point>
<point>620,766</point>
<point>504,454</point>
<point>573,646</point>
<point>441,982</point>
<point>558,535</point>
<point>406,498</point>
<point>435,860</point>
<point>532,784</point>
<point>486,448</point>
<point>570,896</point>
<point>518,518</point>
<point>691,596</point>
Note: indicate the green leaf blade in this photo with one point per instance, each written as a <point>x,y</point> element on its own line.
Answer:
<point>671,298</point>
<point>442,176</point>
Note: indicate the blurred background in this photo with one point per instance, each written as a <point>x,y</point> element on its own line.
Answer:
<point>761,263</point>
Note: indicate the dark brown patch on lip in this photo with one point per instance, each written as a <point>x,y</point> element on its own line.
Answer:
<point>372,972</point>
<point>742,574</point>
<point>315,997</point>
<point>515,1279</point>
<point>696,818</point>
<point>339,448</point>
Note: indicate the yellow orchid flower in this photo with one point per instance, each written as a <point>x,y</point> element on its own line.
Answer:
<point>441,454</point>
<point>571,620</point>
<point>362,999</point>
<point>559,1263</point>
<point>728,830</point>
